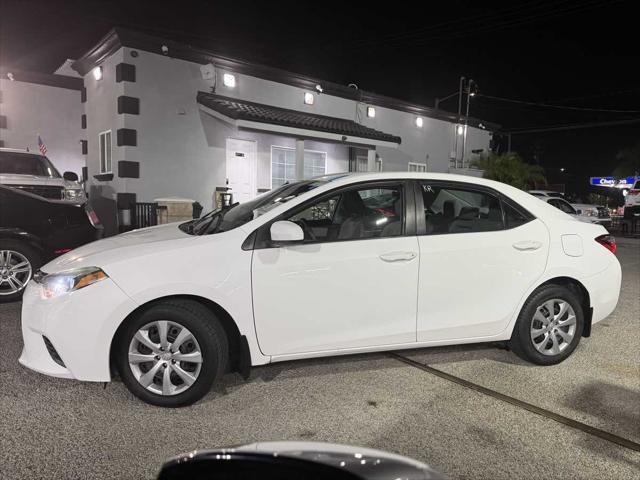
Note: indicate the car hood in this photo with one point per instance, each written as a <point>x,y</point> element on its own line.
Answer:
<point>120,248</point>
<point>19,179</point>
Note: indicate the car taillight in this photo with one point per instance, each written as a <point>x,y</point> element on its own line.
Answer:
<point>93,217</point>
<point>608,242</point>
<point>633,193</point>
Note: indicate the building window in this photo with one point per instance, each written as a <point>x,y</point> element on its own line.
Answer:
<point>105,151</point>
<point>417,167</point>
<point>283,165</point>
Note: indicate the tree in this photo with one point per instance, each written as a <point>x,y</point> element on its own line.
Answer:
<point>511,169</point>
<point>628,162</point>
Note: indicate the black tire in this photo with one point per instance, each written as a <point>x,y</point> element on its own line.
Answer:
<point>206,329</point>
<point>30,253</point>
<point>521,342</point>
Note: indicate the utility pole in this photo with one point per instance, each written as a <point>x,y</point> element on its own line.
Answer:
<point>470,94</point>
<point>460,90</point>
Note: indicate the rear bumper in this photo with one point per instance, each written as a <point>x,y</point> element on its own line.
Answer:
<point>79,326</point>
<point>604,290</point>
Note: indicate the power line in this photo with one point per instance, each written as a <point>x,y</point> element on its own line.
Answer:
<point>574,126</point>
<point>505,22</point>
<point>559,107</point>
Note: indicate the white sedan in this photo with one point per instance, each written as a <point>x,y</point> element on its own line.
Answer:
<point>329,266</point>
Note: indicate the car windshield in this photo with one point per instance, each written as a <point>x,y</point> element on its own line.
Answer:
<point>238,214</point>
<point>27,164</point>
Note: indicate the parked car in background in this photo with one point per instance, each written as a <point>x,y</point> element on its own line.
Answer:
<point>632,200</point>
<point>295,461</point>
<point>546,193</point>
<point>587,215</point>
<point>335,265</point>
<point>595,213</point>
<point>34,230</point>
<point>34,173</point>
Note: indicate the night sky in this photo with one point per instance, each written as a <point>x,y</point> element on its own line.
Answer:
<point>567,53</point>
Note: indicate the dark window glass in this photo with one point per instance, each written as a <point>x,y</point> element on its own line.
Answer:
<point>353,214</point>
<point>563,205</point>
<point>512,217</point>
<point>27,164</point>
<point>453,210</point>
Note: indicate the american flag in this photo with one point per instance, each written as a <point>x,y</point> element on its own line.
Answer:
<point>42,146</point>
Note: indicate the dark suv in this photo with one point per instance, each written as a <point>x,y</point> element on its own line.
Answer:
<point>33,230</point>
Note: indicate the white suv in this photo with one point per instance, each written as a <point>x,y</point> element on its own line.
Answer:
<point>34,173</point>
<point>632,200</point>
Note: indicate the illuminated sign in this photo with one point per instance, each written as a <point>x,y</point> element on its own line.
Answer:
<point>612,182</point>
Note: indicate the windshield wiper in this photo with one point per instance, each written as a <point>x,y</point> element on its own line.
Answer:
<point>223,212</point>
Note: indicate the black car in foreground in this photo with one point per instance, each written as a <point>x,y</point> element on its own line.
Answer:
<point>33,230</point>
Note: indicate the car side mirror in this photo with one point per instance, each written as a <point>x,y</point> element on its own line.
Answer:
<point>284,231</point>
<point>70,176</point>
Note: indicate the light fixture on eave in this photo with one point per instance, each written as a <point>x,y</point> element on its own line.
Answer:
<point>419,122</point>
<point>97,72</point>
<point>229,80</point>
<point>371,112</point>
<point>460,129</point>
<point>308,98</point>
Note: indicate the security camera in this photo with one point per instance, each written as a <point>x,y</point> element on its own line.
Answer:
<point>208,71</point>
<point>165,50</point>
<point>319,88</point>
<point>10,76</point>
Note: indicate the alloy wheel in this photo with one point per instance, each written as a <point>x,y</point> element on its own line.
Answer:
<point>15,272</point>
<point>165,357</point>
<point>553,327</point>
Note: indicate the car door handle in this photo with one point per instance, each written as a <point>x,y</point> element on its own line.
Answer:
<point>398,256</point>
<point>527,245</point>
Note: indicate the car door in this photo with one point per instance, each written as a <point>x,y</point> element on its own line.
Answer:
<point>351,283</point>
<point>479,254</point>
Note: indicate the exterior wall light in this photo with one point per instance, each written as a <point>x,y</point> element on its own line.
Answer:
<point>229,80</point>
<point>97,73</point>
<point>371,112</point>
<point>460,129</point>
<point>419,122</point>
<point>308,98</point>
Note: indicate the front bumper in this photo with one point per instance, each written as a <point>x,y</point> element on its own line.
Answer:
<point>79,325</point>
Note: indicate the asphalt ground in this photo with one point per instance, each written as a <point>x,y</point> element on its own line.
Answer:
<point>63,429</point>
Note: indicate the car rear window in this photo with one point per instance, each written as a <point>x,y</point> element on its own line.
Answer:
<point>27,164</point>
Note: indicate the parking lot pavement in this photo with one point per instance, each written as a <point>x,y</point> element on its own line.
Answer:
<point>53,428</point>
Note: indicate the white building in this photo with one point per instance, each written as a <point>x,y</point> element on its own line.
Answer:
<point>164,119</point>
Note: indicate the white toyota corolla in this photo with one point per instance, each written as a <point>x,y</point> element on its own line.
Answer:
<point>329,266</point>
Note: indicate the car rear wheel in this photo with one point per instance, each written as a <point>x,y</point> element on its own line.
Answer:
<point>18,262</point>
<point>549,326</point>
<point>171,353</point>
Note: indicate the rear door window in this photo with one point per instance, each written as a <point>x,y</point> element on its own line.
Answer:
<point>460,210</point>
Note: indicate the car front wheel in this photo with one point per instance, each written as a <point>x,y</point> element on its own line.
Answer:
<point>171,353</point>
<point>549,326</point>
<point>18,263</point>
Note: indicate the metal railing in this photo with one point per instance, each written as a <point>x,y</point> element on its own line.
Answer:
<point>144,215</point>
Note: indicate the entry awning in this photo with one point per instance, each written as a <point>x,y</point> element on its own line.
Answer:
<point>258,116</point>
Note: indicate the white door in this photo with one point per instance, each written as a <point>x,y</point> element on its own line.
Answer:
<point>353,283</point>
<point>475,267</point>
<point>241,169</point>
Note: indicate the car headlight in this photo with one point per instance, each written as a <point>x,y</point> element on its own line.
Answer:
<point>56,284</point>
<point>73,194</point>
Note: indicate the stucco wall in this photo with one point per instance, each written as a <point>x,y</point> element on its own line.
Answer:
<point>54,113</point>
<point>181,149</point>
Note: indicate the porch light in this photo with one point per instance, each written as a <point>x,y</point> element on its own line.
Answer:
<point>419,122</point>
<point>97,73</point>
<point>308,98</point>
<point>229,80</point>
<point>460,129</point>
<point>371,112</point>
